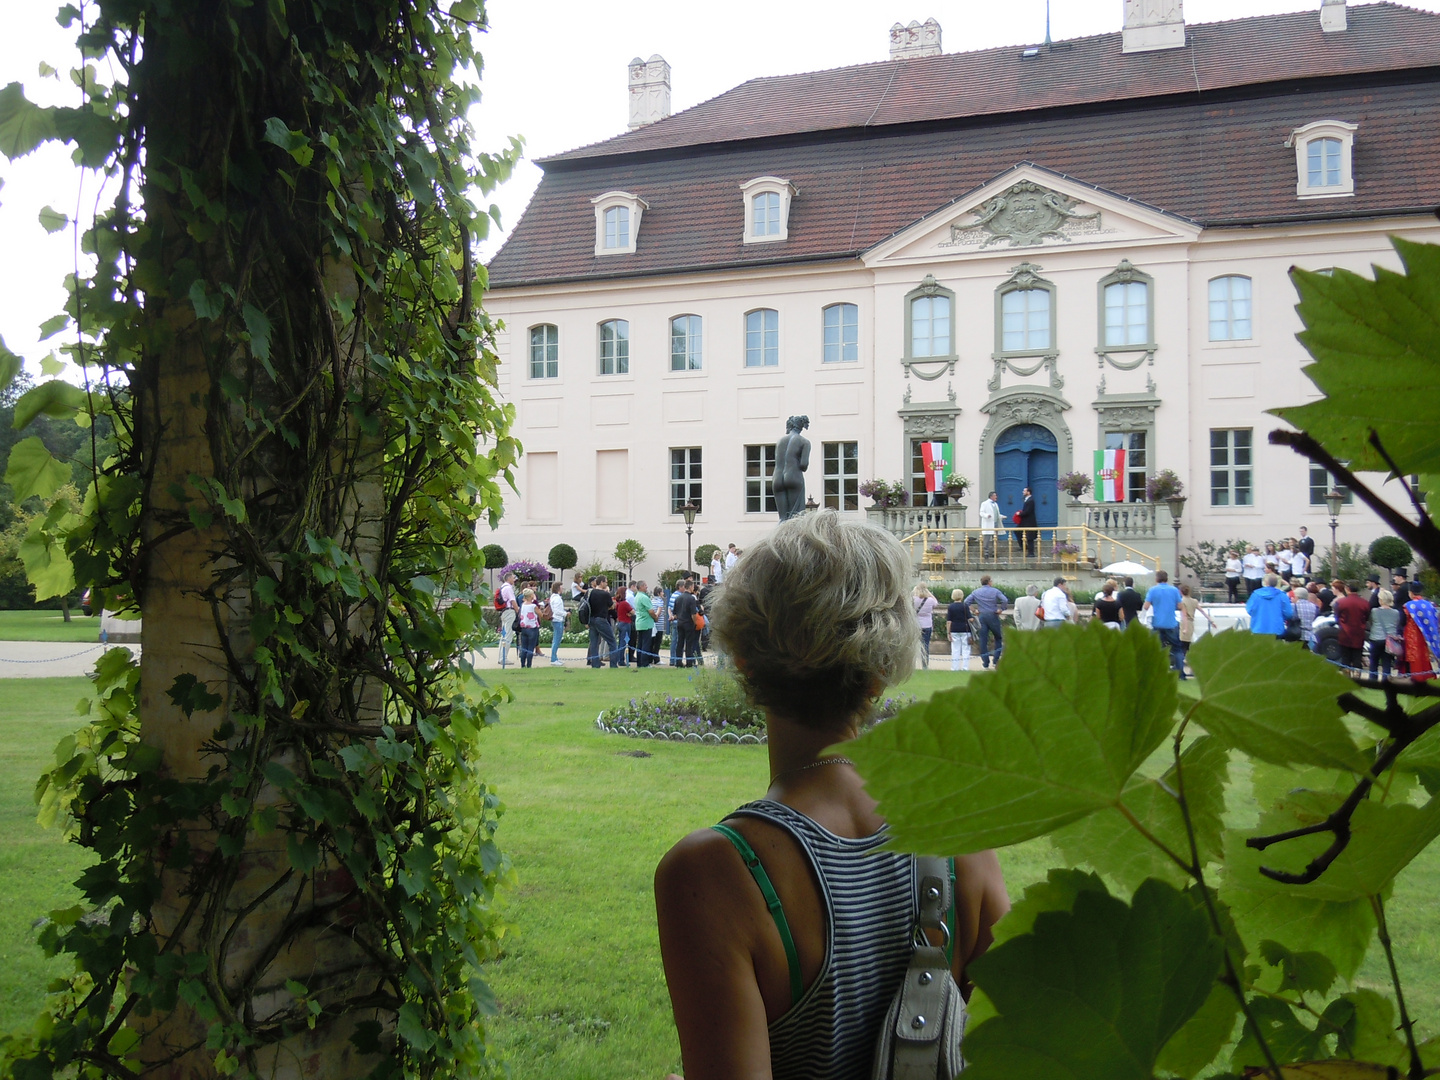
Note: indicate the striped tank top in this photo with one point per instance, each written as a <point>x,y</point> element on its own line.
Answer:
<point>869,899</point>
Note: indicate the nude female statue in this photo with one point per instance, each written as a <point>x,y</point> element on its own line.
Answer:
<point>792,458</point>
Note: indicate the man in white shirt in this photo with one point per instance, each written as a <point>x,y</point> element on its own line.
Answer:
<point>1253,567</point>
<point>989,518</point>
<point>731,558</point>
<point>1055,609</point>
<point>1299,567</point>
<point>507,615</point>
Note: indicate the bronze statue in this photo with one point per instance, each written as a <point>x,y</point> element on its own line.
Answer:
<point>792,458</point>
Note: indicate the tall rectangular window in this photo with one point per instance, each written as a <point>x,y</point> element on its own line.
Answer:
<point>842,333</point>
<point>1230,308</point>
<point>1231,467</point>
<point>1321,482</point>
<point>759,473</point>
<point>617,227</point>
<point>1322,159</point>
<point>762,338</point>
<point>615,347</point>
<point>1025,320</point>
<point>685,343</point>
<point>1136,460</point>
<point>930,326</point>
<point>544,352</point>
<point>765,214</point>
<point>842,475</point>
<point>684,477</point>
<point>1127,313</point>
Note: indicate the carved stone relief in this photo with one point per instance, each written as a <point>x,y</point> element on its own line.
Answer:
<point>1025,215</point>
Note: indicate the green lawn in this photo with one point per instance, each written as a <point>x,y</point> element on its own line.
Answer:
<point>581,989</point>
<point>48,626</point>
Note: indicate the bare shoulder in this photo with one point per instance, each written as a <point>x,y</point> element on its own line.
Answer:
<point>700,866</point>
<point>979,874</point>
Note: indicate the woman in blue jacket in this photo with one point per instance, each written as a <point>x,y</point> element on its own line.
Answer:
<point>1269,608</point>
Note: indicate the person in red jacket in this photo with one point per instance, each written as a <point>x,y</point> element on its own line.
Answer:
<point>1352,618</point>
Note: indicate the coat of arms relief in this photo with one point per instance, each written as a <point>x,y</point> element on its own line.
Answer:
<point>1025,215</point>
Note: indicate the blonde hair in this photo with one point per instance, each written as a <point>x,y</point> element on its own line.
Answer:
<point>818,617</point>
<point>921,592</point>
<point>1387,598</point>
<point>957,594</point>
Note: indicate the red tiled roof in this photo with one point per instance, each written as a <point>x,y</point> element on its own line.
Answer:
<point>989,82</point>
<point>1212,161</point>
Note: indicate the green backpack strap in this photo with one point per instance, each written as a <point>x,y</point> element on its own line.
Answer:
<point>772,901</point>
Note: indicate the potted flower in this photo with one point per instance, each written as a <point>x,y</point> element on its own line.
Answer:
<point>956,485</point>
<point>1075,484</point>
<point>934,556</point>
<point>885,494</point>
<point>1162,486</point>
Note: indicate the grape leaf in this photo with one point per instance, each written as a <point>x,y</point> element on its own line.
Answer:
<point>1303,971</point>
<point>1272,700</point>
<point>1094,993</point>
<point>1053,735</point>
<point>1289,1040</point>
<point>23,124</point>
<point>46,564</point>
<point>58,399</point>
<point>1109,843</point>
<point>1374,342</point>
<point>1056,893</point>
<point>10,365</point>
<point>51,220</point>
<point>33,470</point>
<point>1204,1035</point>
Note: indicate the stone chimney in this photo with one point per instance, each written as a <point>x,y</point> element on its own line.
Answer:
<point>914,41</point>
<point>649,91</point>
<point>1154,24</point>
<point>1332,15</point>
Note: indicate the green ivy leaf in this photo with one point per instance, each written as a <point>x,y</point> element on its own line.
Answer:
<point>1204,1035</point>
<point>1108,842</point>
<point>23,124</point>
<point>52,221</point>
<point>57,399</point>
<point>258,324</point>
<point>1097,992</point>
<point>1053,735</point>
<point>33,470</point>
<point>412,1027</point>
<point>293,143</point>
<point>1373,341</point>
<point>1272,700</point>
<point>191,695</point>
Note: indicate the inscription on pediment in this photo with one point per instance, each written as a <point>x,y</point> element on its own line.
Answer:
<point>1024,215</point>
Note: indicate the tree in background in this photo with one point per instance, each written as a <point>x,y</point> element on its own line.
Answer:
<point>629,553</point>
<point>495,558</point>
<point>293,859</point>
<point>1349,562</point>
<point>562,557</point>
<point>703,554</point>
<point>1390,552</point>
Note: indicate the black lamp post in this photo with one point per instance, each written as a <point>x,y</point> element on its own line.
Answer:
<point>810,504</point>
<point>1176,503</point>
<point>689,510</point>
<point>1333,501</point>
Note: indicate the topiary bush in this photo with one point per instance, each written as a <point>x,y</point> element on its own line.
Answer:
<point>1391,552</point>
<point>562,557</point>
<point>704,553</point>
<point>495,556</point>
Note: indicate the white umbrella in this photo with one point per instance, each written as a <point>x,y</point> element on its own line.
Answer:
<point>1123,568</point>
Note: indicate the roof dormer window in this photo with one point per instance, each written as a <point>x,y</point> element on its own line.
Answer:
<point>617,222</point>
<point>767,209</point>
<point>1323,155</point>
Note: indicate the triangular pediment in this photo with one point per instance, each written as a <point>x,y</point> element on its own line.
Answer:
<point>1029,208</point>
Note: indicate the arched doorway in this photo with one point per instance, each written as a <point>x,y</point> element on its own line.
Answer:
<point>1026,455</point>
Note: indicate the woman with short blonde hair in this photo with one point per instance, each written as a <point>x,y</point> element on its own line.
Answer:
<point>818,622</point>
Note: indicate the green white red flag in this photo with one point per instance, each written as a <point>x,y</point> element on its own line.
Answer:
<point>939,463</point>
<point>1110,475</point>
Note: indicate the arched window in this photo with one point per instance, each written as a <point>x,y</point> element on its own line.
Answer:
<point>544,352</point>
<point>1025,314</point>
<point>842,333</point>
<point>765,214</point>
<point>762,338</point>
<point>1324,159</point>
<point>1230,308</point>
<point>617,227</point>
<point>767,209</point>
<point>615,347</point>
<point>929,325</point>
<point>685,343</point>
<point>1126,313</point>
<point>1322,163</point>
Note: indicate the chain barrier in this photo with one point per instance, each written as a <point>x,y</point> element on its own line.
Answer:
<point>53,659</point>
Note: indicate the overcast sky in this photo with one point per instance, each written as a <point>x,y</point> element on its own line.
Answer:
<point>555,73</point>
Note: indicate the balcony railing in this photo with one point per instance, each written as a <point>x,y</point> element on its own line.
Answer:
<point>904,520</point>
<point>970,549</point>
<point>1123,519</point>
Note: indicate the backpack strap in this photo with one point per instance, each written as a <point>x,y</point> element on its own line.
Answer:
<point>772,901</point>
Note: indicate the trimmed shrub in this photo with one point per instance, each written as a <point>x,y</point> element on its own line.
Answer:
<point>1391,552</point>
<point>562,557</point>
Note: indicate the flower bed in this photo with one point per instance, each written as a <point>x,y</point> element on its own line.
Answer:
<point>716,713</point>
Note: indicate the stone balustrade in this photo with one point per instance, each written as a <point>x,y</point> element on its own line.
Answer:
<point>1123,520</point>
<point>904,520</point>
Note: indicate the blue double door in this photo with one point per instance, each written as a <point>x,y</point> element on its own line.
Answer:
<point>1026,456</point>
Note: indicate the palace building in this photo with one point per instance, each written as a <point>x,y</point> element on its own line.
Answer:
<point>1028,253</point>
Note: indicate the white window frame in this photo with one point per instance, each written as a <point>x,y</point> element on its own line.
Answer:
<point>620,357</point>
<point>693,358</point>
<point>763,185</point>
<point>840,470</point>
<point>1230,467</point>
<point>686,477</point>
<point>1301,138</point>
<point>840,346</point>
<point>760,486</point>
<point>550,352</point>
<point>1229,301</point>
<point>1134,493</point>
<point>764,331</point>
<point>610,200</point>
<point>1317,493</point>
